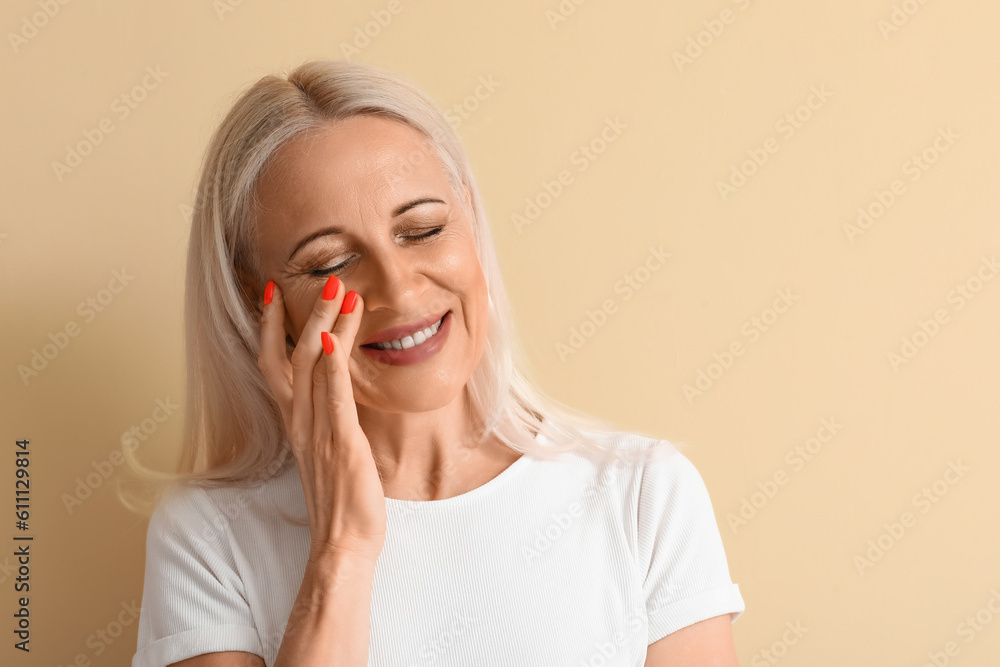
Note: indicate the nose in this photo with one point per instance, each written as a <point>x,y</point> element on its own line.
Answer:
<point>395,279</point>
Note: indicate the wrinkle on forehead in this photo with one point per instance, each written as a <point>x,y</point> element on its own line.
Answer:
<point>395,153</point>
<point>359,176</point>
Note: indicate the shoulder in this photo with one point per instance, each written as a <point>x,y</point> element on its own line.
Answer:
<point>669,487</point>
<point>185,519</point>
<point>651,476</point>
<point>645,463</point>
<point>657,463</point>
<point>665,490</point>
<point>180,507</point>
<point>194,597</point>
<point>680,554</point>
<point>206,515</point>
<point>634,443</point>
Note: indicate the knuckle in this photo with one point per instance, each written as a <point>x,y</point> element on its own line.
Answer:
<point>294,437</point>
<point>297,360</point>
<point>321,308</point>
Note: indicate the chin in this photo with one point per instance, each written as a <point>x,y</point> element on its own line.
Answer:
<point>417,399</point>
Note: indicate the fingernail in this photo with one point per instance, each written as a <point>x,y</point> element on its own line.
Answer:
<point>327,342</point>
<point>331,287</point>
<point>350,299</point>
<point>268,292</point>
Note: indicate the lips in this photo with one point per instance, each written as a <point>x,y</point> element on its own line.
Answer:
<point>392,333</point>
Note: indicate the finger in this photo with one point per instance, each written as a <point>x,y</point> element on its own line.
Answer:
<point>308,349</point>
<point>272,358</point>
<point>344,329</point>
<point>342,410</point>
<point>347,324</point>
<point>321,417</point>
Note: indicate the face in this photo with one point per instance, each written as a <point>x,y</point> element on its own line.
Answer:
<point>367,200</point>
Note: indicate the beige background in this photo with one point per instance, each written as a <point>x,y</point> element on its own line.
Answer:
<point>891,80</point>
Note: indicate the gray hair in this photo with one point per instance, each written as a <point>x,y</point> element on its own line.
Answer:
<point>233,432</point>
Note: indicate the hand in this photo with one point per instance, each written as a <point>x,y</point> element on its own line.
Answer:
<point>313,389</point>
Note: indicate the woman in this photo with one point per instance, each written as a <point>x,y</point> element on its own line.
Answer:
<point>368,477</point>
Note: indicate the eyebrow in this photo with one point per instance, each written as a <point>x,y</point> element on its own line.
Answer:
<point>400,210</point>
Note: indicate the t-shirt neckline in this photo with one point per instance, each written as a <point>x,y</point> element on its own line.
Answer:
<point>490,486</point>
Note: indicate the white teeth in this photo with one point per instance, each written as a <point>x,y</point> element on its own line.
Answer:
<point>407,342</point>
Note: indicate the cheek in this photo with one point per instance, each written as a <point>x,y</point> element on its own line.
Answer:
<point>296,314</point>
<point>476,298</point>
<point>467,274</point>
<point>464,262</point>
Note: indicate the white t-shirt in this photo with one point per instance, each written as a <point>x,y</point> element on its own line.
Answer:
<point>550,563</point>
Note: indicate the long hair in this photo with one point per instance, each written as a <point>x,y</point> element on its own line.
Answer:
<point>233,432</point>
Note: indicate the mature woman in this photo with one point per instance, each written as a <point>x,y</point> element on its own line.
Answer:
<point>368,477</point>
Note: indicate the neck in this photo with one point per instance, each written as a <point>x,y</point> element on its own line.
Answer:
<point>434,454</point>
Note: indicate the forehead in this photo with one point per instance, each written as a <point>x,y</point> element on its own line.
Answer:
<point>364,161</point>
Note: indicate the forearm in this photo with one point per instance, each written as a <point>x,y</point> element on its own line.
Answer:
<point>330,621</point>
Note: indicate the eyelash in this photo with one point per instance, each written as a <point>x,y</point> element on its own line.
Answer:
<point>321,273</point>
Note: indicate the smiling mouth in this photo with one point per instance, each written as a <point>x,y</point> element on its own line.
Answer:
<point>413,340</point>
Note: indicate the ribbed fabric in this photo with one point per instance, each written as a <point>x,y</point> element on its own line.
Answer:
<point>550,563</point>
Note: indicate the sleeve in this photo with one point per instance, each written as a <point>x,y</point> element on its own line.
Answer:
<point>686,572</point>
<point>193,599</point>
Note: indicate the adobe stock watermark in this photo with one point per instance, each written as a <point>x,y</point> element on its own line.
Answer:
<point>778,649</point>
<point>703,39</point>
<point>214,530</point>
<point>666,593</point>
<point>7,569</point>
<point>968,629</point>
<point>121,107</point>
<point>223,7</point>
<point>927,329</point>
<point>103,637</point>
<point>900,15</point>
<point>752,329</point>
<point>785,127</point>
<point>187,210</point>
<point>365,34</point>
<point>130,440</point>
<point>562,12</point>
<point>445,640</point>
<point>581,158</point>
<point>87,309</point>
<point>796,458</point>
<point>626,286</point>
<point>923,500</point>
<point>461,111</point>
<point>425,487</point>
<point>560,523</point>
<point>31,24</point>
<point>455,115</point>
<point>915,166</point>
<point>301,614</point>
<point>608,652</point>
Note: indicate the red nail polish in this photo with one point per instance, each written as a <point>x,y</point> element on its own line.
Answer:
<point>327,342</point>
<point>268,292</point>
<point>350,299</point>
<point>331,287</point>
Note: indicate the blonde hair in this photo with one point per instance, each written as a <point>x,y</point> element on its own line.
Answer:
<point>233,432</point>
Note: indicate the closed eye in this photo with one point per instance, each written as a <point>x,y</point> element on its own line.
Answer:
<point>333,269</point>
<point>436,230</point>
